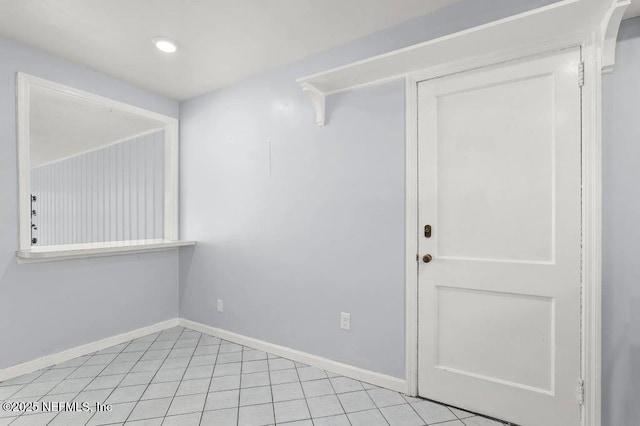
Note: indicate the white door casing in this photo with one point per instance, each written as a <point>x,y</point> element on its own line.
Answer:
<point>499,175</point>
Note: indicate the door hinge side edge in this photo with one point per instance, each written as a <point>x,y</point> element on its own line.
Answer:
<point>581,74</point>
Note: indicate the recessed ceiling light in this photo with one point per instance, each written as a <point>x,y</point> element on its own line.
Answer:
<point>165,45</point>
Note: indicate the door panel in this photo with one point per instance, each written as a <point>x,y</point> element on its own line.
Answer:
<point>471,328</point>
<point>478,137</point>
<point>500,184</point>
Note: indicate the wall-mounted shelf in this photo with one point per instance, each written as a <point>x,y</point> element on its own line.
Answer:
<point>518,32</point>
<point>79,251</point>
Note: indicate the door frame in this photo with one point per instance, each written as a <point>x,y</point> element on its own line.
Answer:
<point>589,391</point>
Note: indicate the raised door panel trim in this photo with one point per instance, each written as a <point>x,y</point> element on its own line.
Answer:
<point>505,182</point>
<point>470,321</point>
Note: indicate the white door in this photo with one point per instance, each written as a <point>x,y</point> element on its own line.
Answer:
<point>500,186</point>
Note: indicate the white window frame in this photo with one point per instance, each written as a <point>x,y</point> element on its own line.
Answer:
<point>26,252</point>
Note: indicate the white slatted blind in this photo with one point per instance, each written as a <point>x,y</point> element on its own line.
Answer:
<point>112,194</point>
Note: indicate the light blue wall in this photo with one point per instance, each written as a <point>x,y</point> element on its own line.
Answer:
<point>49,307</point>
<point>296,223</point>
<point>621,233</point>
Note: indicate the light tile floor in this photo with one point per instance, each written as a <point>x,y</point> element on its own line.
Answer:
<point>183,377</point>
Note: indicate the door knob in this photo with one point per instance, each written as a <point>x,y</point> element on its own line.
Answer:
<point>427,258</point>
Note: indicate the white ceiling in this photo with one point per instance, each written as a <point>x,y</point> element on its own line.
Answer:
<point>62,126</point>
<point>633,10</point>
<point>220,41</point>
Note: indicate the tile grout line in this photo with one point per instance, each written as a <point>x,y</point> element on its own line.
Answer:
<point>155,374</point>
<point>98,375</point>
<point>295,366</point>
<point>206,398</point>
<point>184,374</point>
<point>345,411</point>
<point>418,414</point>
<point>125,374</point>
<point>42,372</point>
<point>90,381</point>
<point>273,401</point>
<point>240,385</point>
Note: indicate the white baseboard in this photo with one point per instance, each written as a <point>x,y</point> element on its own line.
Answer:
<point>57,358</point>
<point>378,379</point>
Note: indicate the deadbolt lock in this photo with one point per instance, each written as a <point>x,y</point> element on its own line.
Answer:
<point>427,231</point>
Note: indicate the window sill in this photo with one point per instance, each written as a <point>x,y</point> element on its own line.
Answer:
<point>79,251</point>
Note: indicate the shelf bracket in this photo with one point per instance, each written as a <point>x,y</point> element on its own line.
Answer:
<point>609,33</point>
<point>318,100</point>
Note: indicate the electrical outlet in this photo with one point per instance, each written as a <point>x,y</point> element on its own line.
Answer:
<point>345,321</point>
<point>220,305</point>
